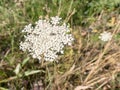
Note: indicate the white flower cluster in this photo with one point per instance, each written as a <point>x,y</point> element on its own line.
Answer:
<point>105,36</point>
<point>46,39</point>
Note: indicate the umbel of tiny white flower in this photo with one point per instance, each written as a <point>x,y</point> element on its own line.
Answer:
<point>105,36</point>
<point>46,39</point>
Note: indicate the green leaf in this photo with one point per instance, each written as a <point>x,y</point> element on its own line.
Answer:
<point>25,61</point>
<point>1,88</point>
<point>17,69</point>
<point>27,73</point>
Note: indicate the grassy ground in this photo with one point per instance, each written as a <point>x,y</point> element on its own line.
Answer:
<point>89,64</point>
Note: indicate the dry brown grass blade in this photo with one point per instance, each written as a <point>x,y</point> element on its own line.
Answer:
<point>61,78</point>
<point>98,61</point>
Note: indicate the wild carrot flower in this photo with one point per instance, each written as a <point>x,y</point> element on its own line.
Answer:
<point>46,39</point>
<point>105,36</point>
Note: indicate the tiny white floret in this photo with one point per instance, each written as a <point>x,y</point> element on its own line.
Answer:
<point>105,36</point>
<point>55,20</point>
